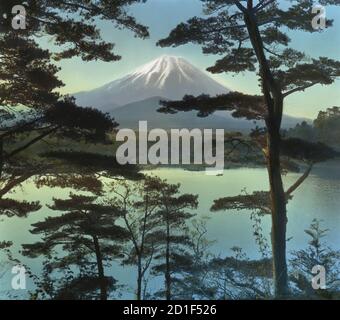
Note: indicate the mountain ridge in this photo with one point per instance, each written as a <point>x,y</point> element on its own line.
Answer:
<point>129,115</point>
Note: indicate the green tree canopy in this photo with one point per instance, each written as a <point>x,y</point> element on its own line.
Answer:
<point>73,24</point>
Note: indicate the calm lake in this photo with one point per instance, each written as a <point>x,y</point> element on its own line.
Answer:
<point>318,197</point>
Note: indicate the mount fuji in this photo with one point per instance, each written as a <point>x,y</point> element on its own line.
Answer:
<point>167,77</point>
<point>136,97</point>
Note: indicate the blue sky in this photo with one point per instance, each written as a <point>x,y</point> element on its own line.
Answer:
<point>163,15</point>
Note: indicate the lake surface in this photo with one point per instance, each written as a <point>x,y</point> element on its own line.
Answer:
<point>318,197</point>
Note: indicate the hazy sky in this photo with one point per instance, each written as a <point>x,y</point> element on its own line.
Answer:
<point>163,15</point>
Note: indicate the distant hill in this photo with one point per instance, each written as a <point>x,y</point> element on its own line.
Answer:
<point>129,115</point>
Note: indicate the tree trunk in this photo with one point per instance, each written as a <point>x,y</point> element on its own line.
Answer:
<point>279,213</point>
<point>139,280</point>
<point>1,156</point>
<point>100,268</point>
<point>167,265</point>
<point>274,100</point>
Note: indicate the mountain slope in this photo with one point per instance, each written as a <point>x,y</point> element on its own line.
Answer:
<point>168,77</point>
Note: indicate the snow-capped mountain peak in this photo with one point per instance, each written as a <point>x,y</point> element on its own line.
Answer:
<point>169,77</point>
<point>165,68</point>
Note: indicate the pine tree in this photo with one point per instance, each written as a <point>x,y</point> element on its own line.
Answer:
<point>82,172</point>
<point>193,285</point>
<point>28,78</point>
<point>87,234</point>
<point>316,254</point>
<point>138,203</point>
<point>327,126</point>
<point>172,239</point>
<point>238,277</point>
<point>73,25</point>
<point>27,73</point>
<point>253,36</point>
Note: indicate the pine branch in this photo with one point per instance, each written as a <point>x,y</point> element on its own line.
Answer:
<point>299,182</point>
<point>31,142</point>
